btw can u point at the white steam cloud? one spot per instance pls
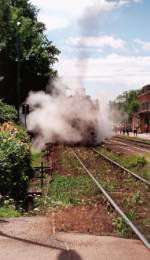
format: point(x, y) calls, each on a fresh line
point(59, 118)
point(56, 117)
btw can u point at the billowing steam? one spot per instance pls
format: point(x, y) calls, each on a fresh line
point(58, 118)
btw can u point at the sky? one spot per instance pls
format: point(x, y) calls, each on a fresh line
point(104, 44)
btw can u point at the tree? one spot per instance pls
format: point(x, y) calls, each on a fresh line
point(26, 55)
point(127, 103)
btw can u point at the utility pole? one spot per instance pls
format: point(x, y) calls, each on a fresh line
point(18, 69)
point(25, 112)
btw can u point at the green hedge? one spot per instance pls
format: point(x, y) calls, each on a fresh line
point(7, 112)
point(15, 162)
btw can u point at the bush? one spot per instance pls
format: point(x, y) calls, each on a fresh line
point(7, 209)
point(7, 112)
point(15, 161)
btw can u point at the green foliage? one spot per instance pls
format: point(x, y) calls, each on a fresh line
point(37, 158)
point(7, 112)
point(23, 42)
point(15, 161)
point(127, 102)
point(141, 161)
point(9, 212)
point(7, 209)
point(121, 225)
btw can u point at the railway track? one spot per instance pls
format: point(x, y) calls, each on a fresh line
point(127, 193)
point(137, 144)
point(136, 176)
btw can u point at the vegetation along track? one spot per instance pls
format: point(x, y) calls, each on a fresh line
point(128, 195)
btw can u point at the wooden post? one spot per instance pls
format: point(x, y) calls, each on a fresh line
point(42, 174)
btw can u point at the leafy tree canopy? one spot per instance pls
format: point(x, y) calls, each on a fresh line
point(24, 43)
point(127, 102)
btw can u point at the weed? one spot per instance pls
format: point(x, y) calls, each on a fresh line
point(121, 225)
point(109, 186)
point(141, 161)
point(137, 198)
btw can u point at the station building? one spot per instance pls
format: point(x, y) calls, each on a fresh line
point(142, 118)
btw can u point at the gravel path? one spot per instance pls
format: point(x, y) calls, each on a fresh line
point(32, 239)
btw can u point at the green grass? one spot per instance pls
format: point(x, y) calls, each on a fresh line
point(9, 212)
point(69, 190)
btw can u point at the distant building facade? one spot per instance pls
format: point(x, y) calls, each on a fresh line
point(141, 120)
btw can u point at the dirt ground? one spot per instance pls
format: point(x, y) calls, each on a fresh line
point(92, 219)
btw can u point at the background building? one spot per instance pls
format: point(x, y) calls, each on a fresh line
point(143, 116)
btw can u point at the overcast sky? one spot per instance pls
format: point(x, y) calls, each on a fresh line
point(105, 42)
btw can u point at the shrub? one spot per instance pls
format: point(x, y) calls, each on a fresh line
point(7, 209)
point(7, 112)
point(15, 161)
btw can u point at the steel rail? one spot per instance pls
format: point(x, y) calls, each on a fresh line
point(138, 142)
point(115, 206)
point(129, 146)
point(122, 168)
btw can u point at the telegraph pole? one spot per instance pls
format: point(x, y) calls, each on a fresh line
point(18, 69)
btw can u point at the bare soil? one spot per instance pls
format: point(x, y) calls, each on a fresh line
point(92, 219)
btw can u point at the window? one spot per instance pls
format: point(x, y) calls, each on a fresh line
point(145, 106)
